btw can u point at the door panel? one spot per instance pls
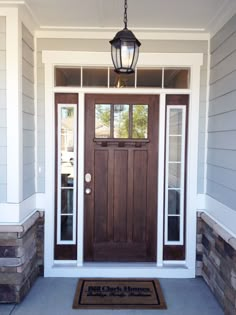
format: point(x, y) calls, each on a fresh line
point(121, 155)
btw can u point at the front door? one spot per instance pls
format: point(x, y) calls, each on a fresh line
point(121, 142)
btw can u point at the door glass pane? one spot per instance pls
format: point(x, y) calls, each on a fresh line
point(66, 228)
point(174, 175)
point(173, 202)
point(121, 121)
point(140, 122)
point(175, 148)
point(176, 122)
point(67, 201)
point(176, 78)
point(173, 228)
point(102, 120)
point(67, 146)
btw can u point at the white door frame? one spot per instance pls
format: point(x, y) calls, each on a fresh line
point(161, 268)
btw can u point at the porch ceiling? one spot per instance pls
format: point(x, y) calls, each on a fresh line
point(165, 15)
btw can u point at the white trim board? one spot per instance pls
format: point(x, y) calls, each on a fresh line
point(221, 214)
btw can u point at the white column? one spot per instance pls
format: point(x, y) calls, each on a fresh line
point(14, 108)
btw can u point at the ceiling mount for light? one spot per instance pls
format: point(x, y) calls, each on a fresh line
point(125, 48)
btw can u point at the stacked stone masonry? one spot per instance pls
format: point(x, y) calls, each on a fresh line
point(216, 254)
point(21, 257)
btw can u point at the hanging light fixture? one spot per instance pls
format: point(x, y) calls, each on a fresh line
point(125, 48)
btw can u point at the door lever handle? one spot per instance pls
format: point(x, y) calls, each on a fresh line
point(88, 177)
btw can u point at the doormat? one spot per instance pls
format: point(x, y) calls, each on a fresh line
point(118, 294)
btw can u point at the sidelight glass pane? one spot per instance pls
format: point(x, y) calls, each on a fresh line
point(67, 200)
point(66, 228)
point(175, 147)
point(176, 78)
point(176, 122)
point(173, 228)
point(121, 121)
point(173, 202)
point(140, 122)
point(102, 120)
point(67, 146)
point(174, 175)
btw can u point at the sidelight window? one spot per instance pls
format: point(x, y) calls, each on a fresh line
point(66, 174)
point(175, 174)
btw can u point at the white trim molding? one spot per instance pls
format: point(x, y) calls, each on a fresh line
point(220, 213)
point(153, 60)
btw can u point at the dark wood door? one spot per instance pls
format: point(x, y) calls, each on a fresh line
point(121, 141)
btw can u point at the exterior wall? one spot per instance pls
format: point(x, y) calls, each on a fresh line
point(3, 113)
point(221, 163)
point(28, 113)
point(157, 46)
point(20, 258)
point(217, 250)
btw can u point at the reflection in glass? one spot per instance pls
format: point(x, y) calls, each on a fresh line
point(121, 121)
point(102, 120)
point(176, 121)
point(67, 201)
point(66, 228)
point(95, 77)
point(67, 146)
point(173, 202)
point(140, 122)
point(175, 148)
point(173, 228)
point(176, 78)
point(174, 175)
point(149, 78)
point(121, 81)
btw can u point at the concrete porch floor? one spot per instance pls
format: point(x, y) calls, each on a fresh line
point(51, 296)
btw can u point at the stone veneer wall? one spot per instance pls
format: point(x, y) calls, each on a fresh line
point(21, 257)
point(216, 261)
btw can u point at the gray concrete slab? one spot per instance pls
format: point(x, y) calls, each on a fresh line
point(51, 296)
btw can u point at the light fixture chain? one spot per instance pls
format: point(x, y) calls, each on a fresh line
point(125, 13)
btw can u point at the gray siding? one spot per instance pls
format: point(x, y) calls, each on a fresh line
point(3, 113)
point(221, 161)
point(157, 46)
point(28, 114)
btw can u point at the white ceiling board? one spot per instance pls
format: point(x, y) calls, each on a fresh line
point(142, 14)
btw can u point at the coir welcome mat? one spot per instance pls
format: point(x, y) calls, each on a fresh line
point(118, 294)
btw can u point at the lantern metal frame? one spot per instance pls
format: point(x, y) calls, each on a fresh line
point(125, 48)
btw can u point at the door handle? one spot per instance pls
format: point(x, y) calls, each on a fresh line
point(88, 191)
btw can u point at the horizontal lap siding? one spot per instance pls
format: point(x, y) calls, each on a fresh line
point(3, 113)
point(154, 46)
point(28, 114)
point(221, 168)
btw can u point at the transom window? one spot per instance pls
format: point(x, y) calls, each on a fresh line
point(168, 78)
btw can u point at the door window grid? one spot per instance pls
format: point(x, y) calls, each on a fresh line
point(121, 121)
point(175, 181)
point(66, 173)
